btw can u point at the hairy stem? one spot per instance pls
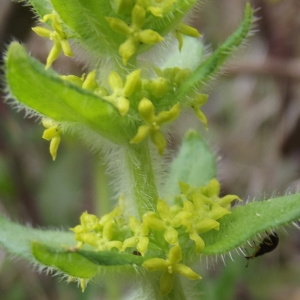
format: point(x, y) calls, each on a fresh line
point(142, 179)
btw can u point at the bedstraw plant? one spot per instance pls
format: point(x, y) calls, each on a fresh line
point(146, 66)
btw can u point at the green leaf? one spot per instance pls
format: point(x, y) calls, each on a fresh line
point(56, 249)
point(247, 221)
point(109, 258)
point(87, 19)
point(79, 262)
point(204, 72)
point(46, 93)
point(195, 164)
point(171, 18)
point(42, 7)
point(66, 261)
point(16, 239)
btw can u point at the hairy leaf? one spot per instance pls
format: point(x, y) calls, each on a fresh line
point(46, 93)
point(248, 220)
point(212, 64)
point(69, 262)
point(195, 164)
point(41, 7)
point(16, 238)
point(87, 19)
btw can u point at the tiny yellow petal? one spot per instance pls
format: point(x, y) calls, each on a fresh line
point(201, 116)
point(156, 11)
point(73, 79)
point(217, 211)
point(198, 241)
point(159, 87)
point(175, 255)
point(186, 271)
point(188, 30)
point(89, 82)
point(153, 222)
point(138, 16)
point(41, 31)
point(122, 105)
point(50, 133)
point(127, 50)
point(149, 36)
point(163, 208)
point(142, 245)
point(66, 48)
point(115, 81)
point(171, 236)
point(207, 224)
point(155, 264)
point(170, 115)
point(146, 110)
point(213, 188)
point(118, 25)
point(179, 38)
point(133, 81)
point(130, 242)
point(226, 200)
point(53, 55)
point(54, 146)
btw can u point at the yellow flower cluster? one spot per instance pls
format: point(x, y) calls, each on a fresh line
point(153, 124)
point(119, 95)
point(127, 91)
point(170, 266)
point(52, 134)
point(135, 32)
point(57, 35)
point(160, 233)
point(98, 233)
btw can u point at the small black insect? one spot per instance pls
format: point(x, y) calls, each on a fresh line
point(268, 244)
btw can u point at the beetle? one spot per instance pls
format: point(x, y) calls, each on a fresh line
point(267, 245)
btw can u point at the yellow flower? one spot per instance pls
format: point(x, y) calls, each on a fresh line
point(134, 32)
point(98, 233)
point(52, 134)
point(198, 222)
point(175, 76)
point(199, 101)
point(158, 7)
point(140, 238)
point(87, 81)
point(167, 219)
point(153, 124)
point(58, 36)
point(121, 91)
point(212, 190)
point(184, 29)
point(170, 266)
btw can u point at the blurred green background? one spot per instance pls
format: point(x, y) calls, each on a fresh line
point(254, 127)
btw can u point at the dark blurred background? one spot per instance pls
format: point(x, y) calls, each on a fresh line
point(254, 127)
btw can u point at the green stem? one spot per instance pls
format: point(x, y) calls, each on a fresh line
point(102, 193)
point(143, 186)
point(177, 292)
